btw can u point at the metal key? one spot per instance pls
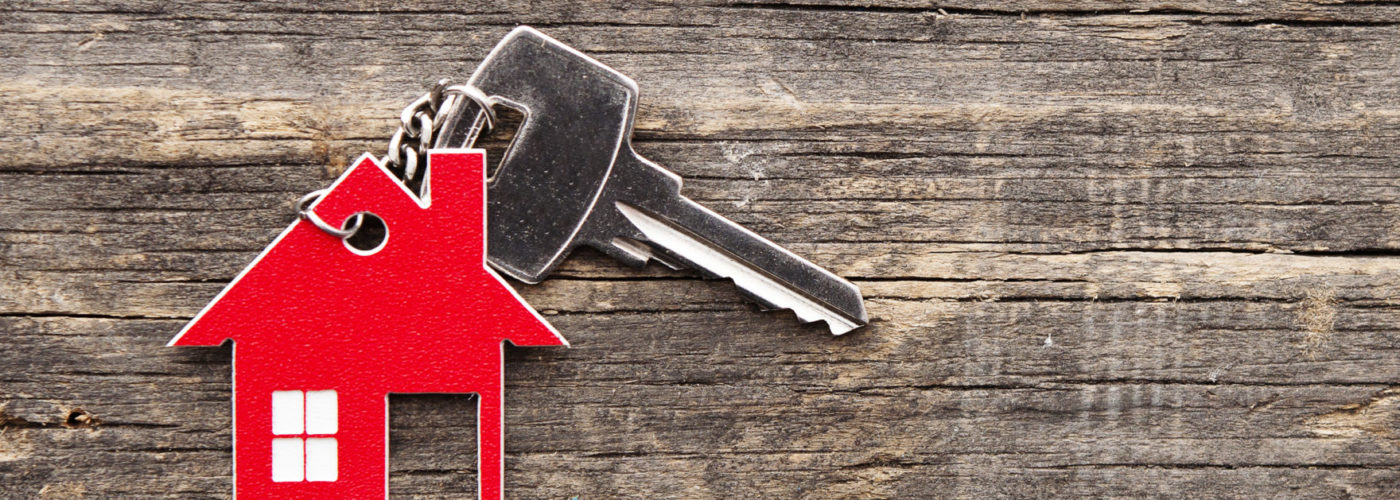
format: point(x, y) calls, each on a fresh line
point(570, 178)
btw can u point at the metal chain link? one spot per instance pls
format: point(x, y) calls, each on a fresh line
point(415, 133)
point(418, 124)
point(421, 120)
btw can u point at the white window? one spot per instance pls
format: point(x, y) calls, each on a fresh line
point(304, 424)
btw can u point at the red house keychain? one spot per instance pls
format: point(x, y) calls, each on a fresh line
point(324, 331)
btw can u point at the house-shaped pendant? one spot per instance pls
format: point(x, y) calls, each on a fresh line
point(323, 332)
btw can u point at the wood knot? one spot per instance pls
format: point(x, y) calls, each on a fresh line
point(79, 418)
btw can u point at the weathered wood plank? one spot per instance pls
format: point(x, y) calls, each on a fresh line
point(698, 402)
point(1111, 249)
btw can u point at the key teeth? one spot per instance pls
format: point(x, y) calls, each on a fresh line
point(766, 305)
point(836, 329)
point(685, 248)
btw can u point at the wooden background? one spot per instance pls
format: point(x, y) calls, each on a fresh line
point(1138, 248)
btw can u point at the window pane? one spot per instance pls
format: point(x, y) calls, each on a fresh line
point(287, 460)
point(321, 459)
point(286, 412)
point(321, 412)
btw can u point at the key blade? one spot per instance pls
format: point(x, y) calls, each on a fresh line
point(782, 280)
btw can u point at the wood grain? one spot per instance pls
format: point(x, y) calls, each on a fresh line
point(1110, 249)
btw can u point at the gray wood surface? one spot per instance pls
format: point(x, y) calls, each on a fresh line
point(1137, 248)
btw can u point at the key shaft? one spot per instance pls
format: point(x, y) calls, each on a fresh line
point(679, 229)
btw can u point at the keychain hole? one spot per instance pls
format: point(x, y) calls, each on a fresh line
point(370, 237)
point(499, 141)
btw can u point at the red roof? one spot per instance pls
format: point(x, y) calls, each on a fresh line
point(427, 290)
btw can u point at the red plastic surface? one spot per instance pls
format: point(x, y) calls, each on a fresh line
point(424, 314)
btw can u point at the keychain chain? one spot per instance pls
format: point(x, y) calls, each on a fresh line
point(421, 120)
point(418, 124)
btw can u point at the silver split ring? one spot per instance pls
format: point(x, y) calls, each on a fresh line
point(487, 103)
point(307, 215)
